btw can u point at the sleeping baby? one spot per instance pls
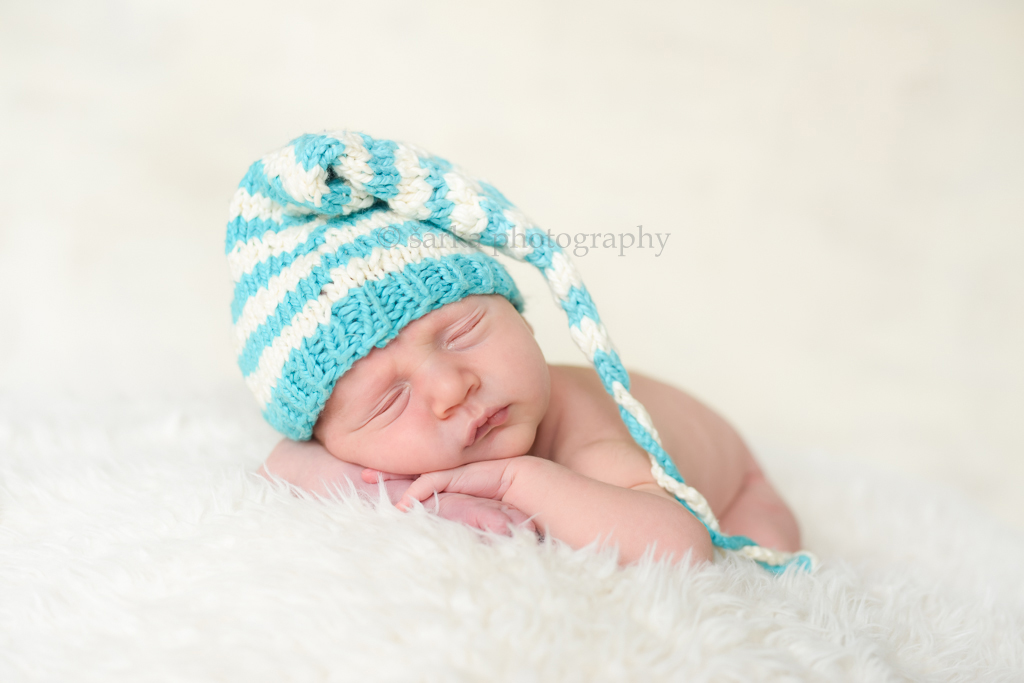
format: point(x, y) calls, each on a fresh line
point(383, 338)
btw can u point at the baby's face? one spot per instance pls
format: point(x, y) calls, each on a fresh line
point(464, 383)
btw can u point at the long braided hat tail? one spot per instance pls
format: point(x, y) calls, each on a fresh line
point(328, 215)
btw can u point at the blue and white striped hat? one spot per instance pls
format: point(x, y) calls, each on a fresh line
point(338, 240)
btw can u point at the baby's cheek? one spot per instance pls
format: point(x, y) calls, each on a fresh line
point(409, 459)
point(515, 441)
point(368, 453)
point(376, 463)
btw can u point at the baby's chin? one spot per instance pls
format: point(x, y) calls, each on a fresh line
point(510, 442)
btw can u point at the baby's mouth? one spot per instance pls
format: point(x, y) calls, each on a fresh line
point(495, 419)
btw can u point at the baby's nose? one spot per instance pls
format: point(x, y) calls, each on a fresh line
point(450, 388)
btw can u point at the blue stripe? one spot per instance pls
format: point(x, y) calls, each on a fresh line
point(799, 561)
point(646, 442)
point(439, 205)
point(312, 151)
point(497, 225)
point(578, 305)
point(240, 230)
point(610, 369)
point(384, 184)
point(724, 540)
point(543, 248)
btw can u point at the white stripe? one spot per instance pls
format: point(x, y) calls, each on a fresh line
point(636, 409)
point(358, 201)
point(413, 189)
point(590, 337)
point(245, 255)
point(518, 245)
point(766, 555)
point(467, 218)
point(302, 185)
point(250, 206)
point(776, 557)
point(692, 496)
point(562, 276)
point(265, 301)
point(317, 312)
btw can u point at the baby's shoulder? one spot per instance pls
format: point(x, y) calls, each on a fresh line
point(591, 437)
point(582, 383)
point(582, 407)
point(574, 383)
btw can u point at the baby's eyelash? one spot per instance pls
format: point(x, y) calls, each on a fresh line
point(465, 329)
point(391, 401)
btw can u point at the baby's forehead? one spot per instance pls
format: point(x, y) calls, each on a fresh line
point(374, 365)
point(424, 328)
point(360, 382)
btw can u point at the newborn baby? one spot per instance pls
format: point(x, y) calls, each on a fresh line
point(379, 333)
point(463, 402)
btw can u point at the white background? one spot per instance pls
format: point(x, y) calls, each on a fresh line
point(843, 183)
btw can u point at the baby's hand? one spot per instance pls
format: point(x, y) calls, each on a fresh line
point(479, 512)
point(484, 479)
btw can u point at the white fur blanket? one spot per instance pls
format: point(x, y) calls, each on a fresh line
point(136, 545)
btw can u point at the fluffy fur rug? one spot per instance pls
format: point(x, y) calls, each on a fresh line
point(136, 545)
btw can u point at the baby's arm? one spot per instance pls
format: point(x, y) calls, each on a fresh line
point(574, 508)
point(311, 467)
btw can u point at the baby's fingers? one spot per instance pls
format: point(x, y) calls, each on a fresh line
point(480, 479)
point(423, 488)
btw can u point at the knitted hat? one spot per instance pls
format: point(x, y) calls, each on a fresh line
point(337, 241)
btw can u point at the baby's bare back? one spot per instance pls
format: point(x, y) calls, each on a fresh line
point(709, 453)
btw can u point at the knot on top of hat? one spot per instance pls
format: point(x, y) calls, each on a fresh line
point(340, 173)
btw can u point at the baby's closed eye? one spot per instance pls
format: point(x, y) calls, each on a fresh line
point(463, 331)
